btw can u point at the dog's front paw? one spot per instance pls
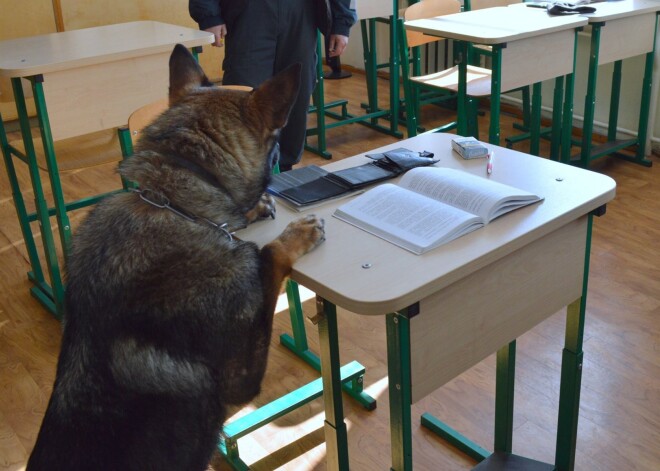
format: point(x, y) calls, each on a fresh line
point(265, 208)
point(302, 235)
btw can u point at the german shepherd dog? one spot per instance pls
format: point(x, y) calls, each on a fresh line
point(168, 316)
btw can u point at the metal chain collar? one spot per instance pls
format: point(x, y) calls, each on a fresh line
point(165, 204)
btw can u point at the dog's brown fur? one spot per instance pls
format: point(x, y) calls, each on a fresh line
point(167, 320)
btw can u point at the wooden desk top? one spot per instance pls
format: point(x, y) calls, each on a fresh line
point(620, 9)
point(495, 25)
point(35, 55)
point(397, 278)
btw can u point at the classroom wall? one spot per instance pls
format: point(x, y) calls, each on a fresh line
point(78, 14)
point(20, 18)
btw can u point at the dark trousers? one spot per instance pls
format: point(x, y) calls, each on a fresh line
point(266, 38)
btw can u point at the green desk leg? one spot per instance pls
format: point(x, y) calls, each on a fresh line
point(368, 29)
point(398, 370)
point(535, 125)
point(615, 94)
point(41, 290)
point(394, 72)
point(53, 299)
point(590, 99)
point(571, 371)
point(647, 83)
point(495, 95)
point(555, 133)
point(64, 225)
point(298, 345)
point(336, 434)
point(567, 114)
point(569, 392)
point(645, 106)
point(462, 98)
point(504, 385)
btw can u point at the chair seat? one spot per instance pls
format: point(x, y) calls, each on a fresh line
point(478, 80)
point(97, 148)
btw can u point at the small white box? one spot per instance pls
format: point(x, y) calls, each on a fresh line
point(469, 147)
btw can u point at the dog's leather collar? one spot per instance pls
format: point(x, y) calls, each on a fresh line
point(163, 202)
point(197, 169)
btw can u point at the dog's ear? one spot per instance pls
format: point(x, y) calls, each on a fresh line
point(276, 96)
point(185, 74)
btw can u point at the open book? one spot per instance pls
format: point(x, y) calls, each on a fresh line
point(431, 206)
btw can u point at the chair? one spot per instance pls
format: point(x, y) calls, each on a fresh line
point(478, 78)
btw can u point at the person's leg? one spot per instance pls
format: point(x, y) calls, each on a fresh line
point(251, 44)
point(296, 43)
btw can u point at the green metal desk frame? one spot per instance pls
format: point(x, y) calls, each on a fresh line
point(398, 347)
point(560, 119)
point(373, 113)
point(588, 151)
point(49, 292)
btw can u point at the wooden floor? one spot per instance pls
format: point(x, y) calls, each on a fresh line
point(619, 427)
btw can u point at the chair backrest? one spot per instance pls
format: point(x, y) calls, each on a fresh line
point(428, 9)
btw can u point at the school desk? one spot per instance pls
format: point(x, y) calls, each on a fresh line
point(450, 308)
point(83, 81)
point(528, 47)
point(619, 30)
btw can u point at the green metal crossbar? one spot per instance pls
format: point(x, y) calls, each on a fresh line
point(266, 414)
point(454, 438)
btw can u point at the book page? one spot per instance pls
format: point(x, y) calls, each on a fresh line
point(408, 219)
point(481, 196)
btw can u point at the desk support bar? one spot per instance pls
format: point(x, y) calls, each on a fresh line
point(228, 445)
point(398, 370)
point(495, 94)
point(40, 200)
point(567, 115)
point(336, 434)
point(298, 345)
point(571, 371)
point(63, 223)
point(504, 385)
point(21, 211)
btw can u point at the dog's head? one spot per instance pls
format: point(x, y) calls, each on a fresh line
point(212, 152)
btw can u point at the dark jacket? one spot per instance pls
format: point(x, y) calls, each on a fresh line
point(333, 16)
